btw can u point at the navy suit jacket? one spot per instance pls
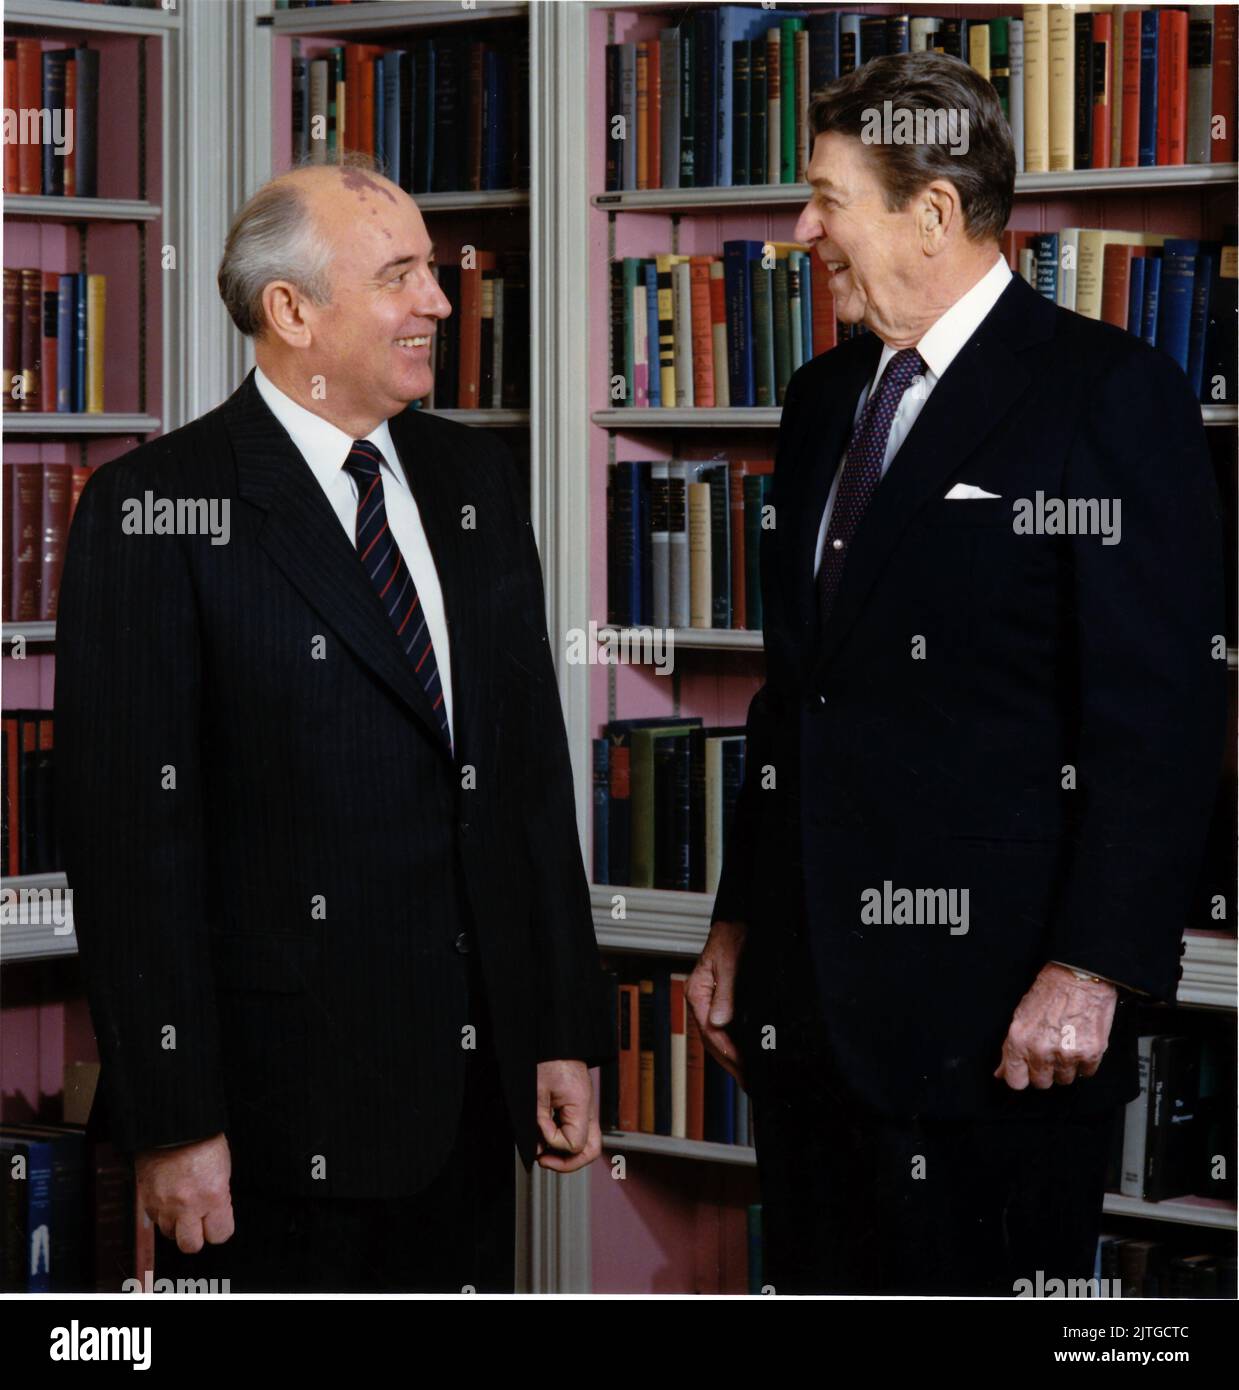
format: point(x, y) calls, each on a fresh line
point(968, 675)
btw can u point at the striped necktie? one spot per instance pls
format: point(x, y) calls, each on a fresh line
point(862, 471)
point(380, 556)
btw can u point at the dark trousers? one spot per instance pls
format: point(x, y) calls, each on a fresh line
point(853, 1203)
point(456, 1234)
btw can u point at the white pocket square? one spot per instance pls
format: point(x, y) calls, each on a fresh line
point(966, 492)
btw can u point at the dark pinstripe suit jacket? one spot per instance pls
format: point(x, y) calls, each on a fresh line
point(271, 853)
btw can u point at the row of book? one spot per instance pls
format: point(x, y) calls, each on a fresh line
point(39, 501)
point(440, 116)
point(53, 94)
point(663, 1081)
point(664, 794)
point(29, 834)
point(1177, 293)
point(54, 347)
point(1177, 1139)
point(722, 99)
point(683, 542)
point(711, 330)
point(1153, 1269)
point(481, 350)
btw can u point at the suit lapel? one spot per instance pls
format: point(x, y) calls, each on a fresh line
point(980, 386)
point(304, 538)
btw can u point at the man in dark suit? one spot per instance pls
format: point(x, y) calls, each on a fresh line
point(982, 762)
point(318, 809)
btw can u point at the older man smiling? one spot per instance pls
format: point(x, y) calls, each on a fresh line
point(957, 703)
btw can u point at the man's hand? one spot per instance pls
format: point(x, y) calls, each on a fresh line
point(566, 1117)
point(1059, 1031)
point(185, 1192)
point(711, 993)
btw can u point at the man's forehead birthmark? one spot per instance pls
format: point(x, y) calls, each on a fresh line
point(357, 180)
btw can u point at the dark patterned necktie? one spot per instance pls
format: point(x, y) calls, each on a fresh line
point(381, 558)
point(862, 471)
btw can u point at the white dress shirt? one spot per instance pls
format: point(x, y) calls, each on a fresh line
point(939, 346)
point(325, 448)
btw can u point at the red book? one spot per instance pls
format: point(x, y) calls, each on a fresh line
point(702, 330)
point(81, 472)
point(24, 496)
point(655, 114)
point(629, 1057)
point(51, 334)
point(1116, 282)
point(359, 104)
point(11, 796)
point(695, 1071)
point(825, 325)
point(1103, 32)
point(470, 379)
point(12, 332)
point(1172, 87)
point(1129, 154)
point(57, 496)
point(10, 146)
point(1224, 41)
point(29, 90)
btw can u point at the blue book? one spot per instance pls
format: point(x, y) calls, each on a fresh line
point(625, 525)
point(734, 23)
point(35, 1248)
point(79, 341)
point(654, 389)
point(806, 304)
point(602, 805)
point(1204, 298)
point(1135, 295)
point(1148, 86)
point(394, 72)
point(1174, 314)
point(379, 133)
point(1152, 299)
point(705, 26)
point(494, 125)
point(66, 336)
point(720, 1103)
point(823, 32)
point(737, 282)
point(1044, 247)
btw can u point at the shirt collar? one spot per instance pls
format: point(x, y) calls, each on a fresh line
point(323, 446)
point(946, 336)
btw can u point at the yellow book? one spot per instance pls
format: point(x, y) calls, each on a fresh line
point(95, 346)
point(1062, 50)
point(1116, 84)
point(1091, 261)
point(978, 49)
point(1036, 90)
point(664, 265)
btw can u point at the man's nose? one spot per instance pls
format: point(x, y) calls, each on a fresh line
point(430, 301)
point(808, 225)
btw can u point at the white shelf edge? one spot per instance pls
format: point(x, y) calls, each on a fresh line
point(1182, 1213)
point(71, 14)
point(35, 937)
point(38, 631)
point(78, 422)
point(623, 1141)
point(55, 209)
point(1153, 179)
point(368, 16)
point(492, 417)
point(720, 639)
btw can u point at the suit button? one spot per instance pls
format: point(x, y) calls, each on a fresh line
point(462, 943)
point(821, 699)
point(466, 830)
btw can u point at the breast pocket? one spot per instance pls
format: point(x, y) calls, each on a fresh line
point(968, 512)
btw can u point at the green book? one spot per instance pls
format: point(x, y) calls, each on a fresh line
point(787, 94)
point(782, 328)
point(641, 797)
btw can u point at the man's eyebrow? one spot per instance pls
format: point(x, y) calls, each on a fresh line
point(403, 260)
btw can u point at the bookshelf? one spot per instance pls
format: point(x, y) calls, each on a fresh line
point(717, 670)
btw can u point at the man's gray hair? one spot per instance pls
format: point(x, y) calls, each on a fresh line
point(275, 237)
